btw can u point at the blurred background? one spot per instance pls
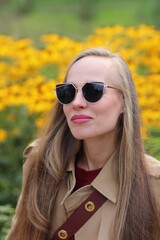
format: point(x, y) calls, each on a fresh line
point(74, 19)
point(38, 39)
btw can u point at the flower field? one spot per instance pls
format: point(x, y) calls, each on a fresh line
point(24, 77)
point(23, 67)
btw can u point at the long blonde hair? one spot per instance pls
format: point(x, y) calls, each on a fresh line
point(135, 209)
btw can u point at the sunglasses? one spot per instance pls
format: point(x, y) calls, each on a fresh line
point(92, 91)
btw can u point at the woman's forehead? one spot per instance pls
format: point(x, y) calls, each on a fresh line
point(92, 61)
point(93, 68)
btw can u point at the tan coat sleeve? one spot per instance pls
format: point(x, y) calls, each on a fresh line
point(153, 167)
point(28, 162)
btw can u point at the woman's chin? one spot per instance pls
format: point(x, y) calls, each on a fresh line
point(82, 136)
point(78, 137)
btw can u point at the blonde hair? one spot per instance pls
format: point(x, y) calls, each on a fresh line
point(135, 210)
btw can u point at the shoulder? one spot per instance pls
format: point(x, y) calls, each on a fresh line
point(29, 162)
point(153, 170)
point(30, 147)
point(152, 166)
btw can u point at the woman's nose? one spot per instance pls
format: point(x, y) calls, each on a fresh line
point(79, 100)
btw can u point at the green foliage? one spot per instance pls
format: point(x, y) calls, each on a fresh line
point(75, 19)
point(21, 129)
point(50, 71)
point(152, 143)
point(143, 70)
point(6, 214)
point(87, 10)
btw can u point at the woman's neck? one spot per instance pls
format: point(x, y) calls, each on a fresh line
point(95, 154)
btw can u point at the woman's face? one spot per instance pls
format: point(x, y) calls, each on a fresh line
point(100, 119)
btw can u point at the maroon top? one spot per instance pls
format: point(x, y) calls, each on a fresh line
point(84, 178)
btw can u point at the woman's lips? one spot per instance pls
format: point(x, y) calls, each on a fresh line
point(80, 119)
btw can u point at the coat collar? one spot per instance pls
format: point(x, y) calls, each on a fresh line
point(106, 180)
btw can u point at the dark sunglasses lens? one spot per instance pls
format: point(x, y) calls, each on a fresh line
point(93, 91)
point(65, 93)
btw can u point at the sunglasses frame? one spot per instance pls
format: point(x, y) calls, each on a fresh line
point(76, 90)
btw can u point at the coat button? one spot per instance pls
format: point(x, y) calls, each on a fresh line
point(62, 234)
point(89, 206)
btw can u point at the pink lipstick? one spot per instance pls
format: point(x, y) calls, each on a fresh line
point(80, 119)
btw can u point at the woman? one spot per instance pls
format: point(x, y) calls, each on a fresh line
point(92, 143)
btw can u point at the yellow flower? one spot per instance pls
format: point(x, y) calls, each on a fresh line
point(3, 135)
point(22, 81)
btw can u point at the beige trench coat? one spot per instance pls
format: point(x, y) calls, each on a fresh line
point(98, 226)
